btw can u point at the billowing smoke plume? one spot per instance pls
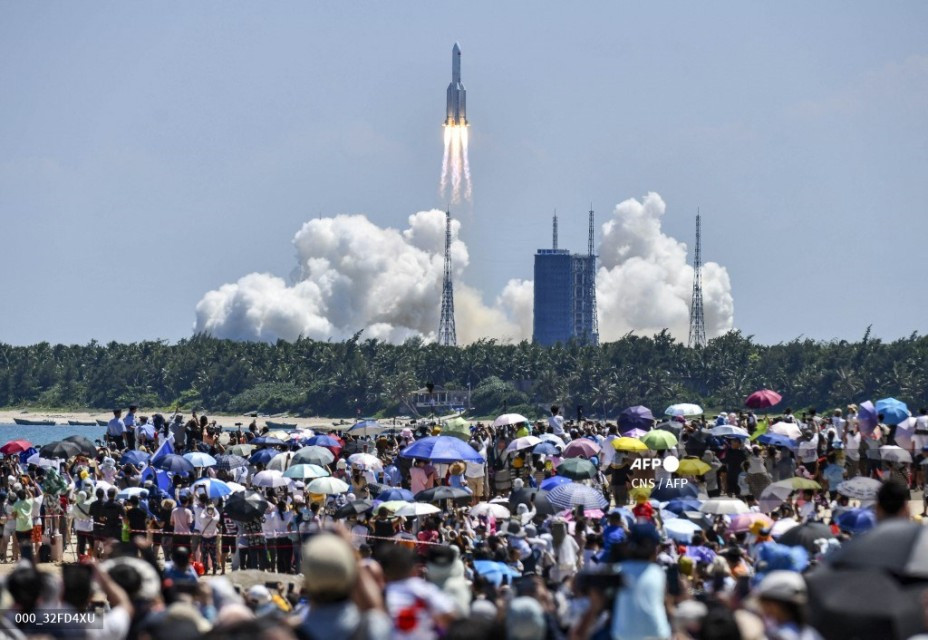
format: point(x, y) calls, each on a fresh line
point(353, 275)
point(644, 282)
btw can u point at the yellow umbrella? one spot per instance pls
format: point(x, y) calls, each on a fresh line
point(692, 467)
point(798, 483)
point(643, 490)
point(280, 435)
point(629, 444)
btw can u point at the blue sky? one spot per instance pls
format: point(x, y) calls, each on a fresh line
point(150, 152)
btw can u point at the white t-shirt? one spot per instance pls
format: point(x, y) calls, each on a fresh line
point(808, 449)
point(416, 602)
point(838, 425)
point(608, 452)
point(207, 524)
point(557, 424)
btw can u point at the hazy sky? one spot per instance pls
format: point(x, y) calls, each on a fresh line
point(150, 152)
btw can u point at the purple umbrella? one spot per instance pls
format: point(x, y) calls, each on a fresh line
point(867, 418)
point(637, 417)
point(635, 433)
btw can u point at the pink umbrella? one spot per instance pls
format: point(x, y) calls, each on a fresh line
point(763, 399)
point(581, 447)
point(592, 514)
point(743, 521)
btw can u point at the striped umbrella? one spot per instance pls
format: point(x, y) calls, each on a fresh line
point(568, 496)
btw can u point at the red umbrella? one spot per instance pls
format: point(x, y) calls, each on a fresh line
point(15, 446)
point(763, 399)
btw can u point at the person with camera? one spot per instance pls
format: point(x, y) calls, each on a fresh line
point(634, 589)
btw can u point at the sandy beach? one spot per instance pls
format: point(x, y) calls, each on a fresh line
point(62, 418)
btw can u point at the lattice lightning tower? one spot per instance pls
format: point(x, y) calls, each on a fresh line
point(697, 322)
point(591, 283)
point(446, 332)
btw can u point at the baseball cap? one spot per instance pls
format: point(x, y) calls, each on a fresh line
point(329, 566)
point(525, 619)
point(259, 594)
point(786, 586)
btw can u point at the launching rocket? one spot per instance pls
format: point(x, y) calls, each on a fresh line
point(456, 111)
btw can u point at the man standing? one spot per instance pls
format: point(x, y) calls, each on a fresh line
point(476, 472)
point(113, 516)
point(116, 430)
point(556, 421)
point(129, 423)
point(179, 432)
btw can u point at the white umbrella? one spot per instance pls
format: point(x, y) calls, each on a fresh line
point(415, 509)
point(525, 442)
point(684, 409)
point(729, 431)
point(270, 478)
point(904, 432)
point(236, 487)
point(327, 486)
point(550, 437)
point(782, 526)
point(498, 511)
point(773, 496)
point(366, 461)
point(279, 434)
point(860, 488)
point(892, 453)
point(724, 506)
point(199, 459)
point(509, 418)
point(42, 462)
point(280, 462)
point(301, 434)
point(788, 429)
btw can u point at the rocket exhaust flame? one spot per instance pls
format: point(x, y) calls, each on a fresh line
point(455, 166)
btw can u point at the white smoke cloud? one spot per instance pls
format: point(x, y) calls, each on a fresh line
point(354, 275)
point(644, 283)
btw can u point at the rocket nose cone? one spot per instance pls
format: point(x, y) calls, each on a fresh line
point(456, 48)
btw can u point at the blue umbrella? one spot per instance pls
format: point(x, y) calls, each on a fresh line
point(857, 520)
point(495, 572)
point(681, 530)
point(322, 441)
point(214, 488)
point(776, 440)
point(267, 440)
point(395, 494)
point(134, 456)
point(262, 456)
point(568, 496)
point(199, 459)
point(554, 481)
point(173, 463)
point(667, 492)
point(441, 449)
point(894, 411)
point(546, 448)
point(679, 505)
point(637, 417)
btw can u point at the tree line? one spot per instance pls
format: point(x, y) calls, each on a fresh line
point(308, 377)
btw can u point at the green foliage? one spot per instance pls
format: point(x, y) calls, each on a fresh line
point(494, 396)
point(269, 397)
point(340, 378)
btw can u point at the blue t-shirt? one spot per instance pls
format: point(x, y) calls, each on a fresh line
point(834, 474)
point(638, 611)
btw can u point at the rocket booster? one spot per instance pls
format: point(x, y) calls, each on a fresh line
point(456, 109)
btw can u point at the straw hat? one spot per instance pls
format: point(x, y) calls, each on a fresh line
point(457, 468)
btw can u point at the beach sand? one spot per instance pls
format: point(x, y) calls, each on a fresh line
point(62, 417)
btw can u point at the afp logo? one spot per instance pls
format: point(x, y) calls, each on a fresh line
point(670, 463)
